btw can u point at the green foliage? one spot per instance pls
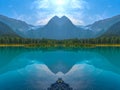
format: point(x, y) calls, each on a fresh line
point(59, 43)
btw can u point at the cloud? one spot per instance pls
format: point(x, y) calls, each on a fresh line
point(41, 4)
point(45, 9)
point(42, 21)
point(22, 17)
point(96, 17)
point(75, 10)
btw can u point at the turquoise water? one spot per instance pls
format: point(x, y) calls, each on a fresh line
point(82, 69)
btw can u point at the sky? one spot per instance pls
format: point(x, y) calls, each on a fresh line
point(39, 12)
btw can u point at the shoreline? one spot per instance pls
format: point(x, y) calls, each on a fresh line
point(47, 46)
point(107, 45)
point(12, 45)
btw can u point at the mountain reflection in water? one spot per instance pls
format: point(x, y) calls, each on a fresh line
point(37, 69)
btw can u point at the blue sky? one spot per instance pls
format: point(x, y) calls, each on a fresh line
point(39, 12)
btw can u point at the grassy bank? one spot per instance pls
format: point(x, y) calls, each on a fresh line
point(57, 45)
point(107, 45)
point(12, 45)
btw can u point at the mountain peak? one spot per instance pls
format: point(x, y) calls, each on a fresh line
point(65, 17)
point(60, 20)
point(55, 17)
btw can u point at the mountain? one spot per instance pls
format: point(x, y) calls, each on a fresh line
point(18, 26)
point(113, 31)
point(6, 31)
point(60, 28)
point(103, 25)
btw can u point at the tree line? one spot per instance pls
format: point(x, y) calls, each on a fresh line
point(18, 40)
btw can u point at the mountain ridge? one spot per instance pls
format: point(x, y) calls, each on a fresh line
point(6, 31)
point(104, 24)
point(113, 31)
point(18, 26)
point(60, 28)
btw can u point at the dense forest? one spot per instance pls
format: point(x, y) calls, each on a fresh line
point(59, 43)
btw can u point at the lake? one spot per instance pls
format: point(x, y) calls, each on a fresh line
point(83, 68)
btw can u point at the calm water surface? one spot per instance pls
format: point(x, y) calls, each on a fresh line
point(82, 69)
